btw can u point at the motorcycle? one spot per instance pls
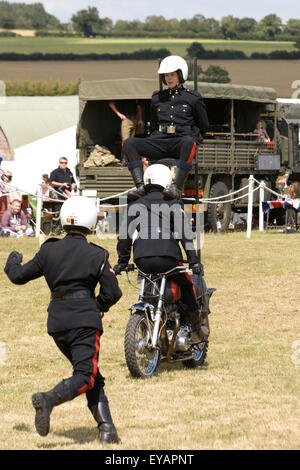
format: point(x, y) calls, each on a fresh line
point(157, 329)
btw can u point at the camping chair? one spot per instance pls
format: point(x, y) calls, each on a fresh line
point(50, 222)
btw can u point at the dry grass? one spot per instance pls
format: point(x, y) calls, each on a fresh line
point(245, 397)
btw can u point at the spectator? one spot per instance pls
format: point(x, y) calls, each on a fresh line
point(5, 178)
point(6, 188)
point(62, 178)
point(14, 222)
point(261, 131)
point(47, 190)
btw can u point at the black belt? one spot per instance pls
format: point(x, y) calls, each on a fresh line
point(171, 129)
point(76, 294)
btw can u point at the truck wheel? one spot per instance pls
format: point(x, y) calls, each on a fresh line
point(220, 211)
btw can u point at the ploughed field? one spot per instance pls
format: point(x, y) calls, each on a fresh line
point(278, 74)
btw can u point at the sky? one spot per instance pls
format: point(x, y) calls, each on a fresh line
point(140, 9)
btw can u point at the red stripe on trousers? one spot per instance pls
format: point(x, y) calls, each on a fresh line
point(95, 366)
point(192, 154)
point(189, 279)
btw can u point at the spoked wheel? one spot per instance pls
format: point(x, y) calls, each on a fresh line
point(142, 360)
point(46, 227)
point(200, 353)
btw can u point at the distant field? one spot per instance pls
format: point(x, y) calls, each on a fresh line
point(176, 46)
point(278, 74)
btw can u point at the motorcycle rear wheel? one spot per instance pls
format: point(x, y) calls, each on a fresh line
point(141, 359)
point(200, 354)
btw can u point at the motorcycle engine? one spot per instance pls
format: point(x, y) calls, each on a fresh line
point(182, 339)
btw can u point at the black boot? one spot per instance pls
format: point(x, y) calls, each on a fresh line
point(196, 336)
point(138, 178)
point(107, 431)
point(45, 402)
point(175, 190)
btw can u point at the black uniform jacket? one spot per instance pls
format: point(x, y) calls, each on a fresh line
point(71, 264)
point(160, 224)
point(180, 107)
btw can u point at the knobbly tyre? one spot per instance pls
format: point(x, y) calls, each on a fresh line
point(157, 329)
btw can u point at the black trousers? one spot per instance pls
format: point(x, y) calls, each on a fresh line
point(161, 264)
point(158, 146)
point(81, 347)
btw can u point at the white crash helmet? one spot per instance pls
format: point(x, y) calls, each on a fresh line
point(157, 175)
point(79, 212)
point(174, 63)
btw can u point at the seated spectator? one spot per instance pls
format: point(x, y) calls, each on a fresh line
point(47, 190)
point(14, 222)
point(61, 178)
point(5, 178)
point(6, 188)
point(261, 131)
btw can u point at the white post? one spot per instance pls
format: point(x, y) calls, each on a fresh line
point(261, 212)
point(38, 212)
point(250, 206)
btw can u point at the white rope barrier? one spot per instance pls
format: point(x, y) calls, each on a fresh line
point(261, 187)
point(225, 195)
point(115, 195)
point(209, 201)
point(45, 198)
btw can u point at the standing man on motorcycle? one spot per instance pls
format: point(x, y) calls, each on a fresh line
point(160, 224)
point(72, 268)
point(178, 123)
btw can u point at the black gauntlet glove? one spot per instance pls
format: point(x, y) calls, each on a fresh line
point(197, 268)
point(118, 268)
point(15, 257)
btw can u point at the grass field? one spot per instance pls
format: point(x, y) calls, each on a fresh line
point(28, 45)
point(245, 397)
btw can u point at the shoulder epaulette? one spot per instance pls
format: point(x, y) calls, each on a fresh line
point(194, 92)
point(155, 92)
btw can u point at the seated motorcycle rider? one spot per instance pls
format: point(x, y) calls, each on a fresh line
point(157, 220)
point(178, 121)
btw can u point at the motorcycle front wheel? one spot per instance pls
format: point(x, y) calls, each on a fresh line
point(142, 360)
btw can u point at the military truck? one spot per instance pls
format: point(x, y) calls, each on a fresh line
point(230, 151)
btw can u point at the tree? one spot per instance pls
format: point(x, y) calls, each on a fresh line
point(270, 25)
point(213, 74)
point(229, 27)
point(87, 21)
point(246, 25)
point(297, 43)
point(212, 26)
point(196, 50)
point(23, 16)
point(156, 23)
point(292, 27)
